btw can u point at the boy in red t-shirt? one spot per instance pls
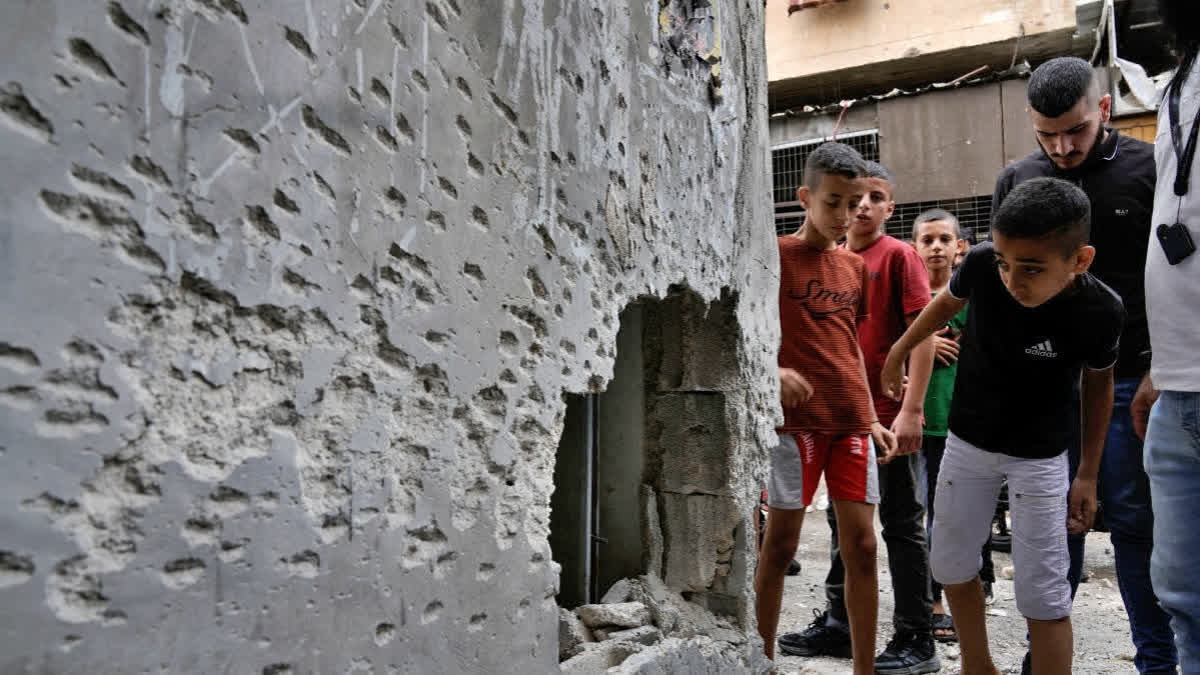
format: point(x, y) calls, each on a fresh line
point(829, 420)
point(899, 290)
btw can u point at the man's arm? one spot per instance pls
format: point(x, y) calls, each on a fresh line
point(932, 318)
point(1096, 402)
point(909, 422)
point(1143, 400)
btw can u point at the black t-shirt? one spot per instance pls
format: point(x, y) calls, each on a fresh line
point(1119, 179)
point(1018, 364)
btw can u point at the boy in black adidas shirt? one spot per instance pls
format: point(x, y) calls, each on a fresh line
point(1036, 320)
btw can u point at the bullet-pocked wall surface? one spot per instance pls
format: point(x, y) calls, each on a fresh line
point(292, 294)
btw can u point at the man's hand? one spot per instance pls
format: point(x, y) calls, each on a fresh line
point(1082, 505)
point(794, 389)
point(1143, 400)
point(891, 379)
point(945, 348)
point(884, 440)
point(907, 428)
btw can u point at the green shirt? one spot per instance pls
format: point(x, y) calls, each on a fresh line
point(941, 385)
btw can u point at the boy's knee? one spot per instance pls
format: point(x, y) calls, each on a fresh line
point(859, 550)
point(779, 550)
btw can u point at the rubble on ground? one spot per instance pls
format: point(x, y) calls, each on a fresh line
point(640, 626)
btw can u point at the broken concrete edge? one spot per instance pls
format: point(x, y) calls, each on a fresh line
point(642, 616)
point(693, 655)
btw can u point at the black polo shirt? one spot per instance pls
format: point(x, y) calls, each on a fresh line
point(1017, 365)
point(1119, 179)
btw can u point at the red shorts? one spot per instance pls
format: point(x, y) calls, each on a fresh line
point(797, 462)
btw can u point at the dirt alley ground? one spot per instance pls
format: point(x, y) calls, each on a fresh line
point(1102, 642)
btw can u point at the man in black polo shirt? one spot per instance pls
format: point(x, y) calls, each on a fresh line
point(1117, 173)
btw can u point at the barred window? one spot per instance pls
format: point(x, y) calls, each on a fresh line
point(974, 215)
point(787, 162)
point(787, 170)
point(788, 222)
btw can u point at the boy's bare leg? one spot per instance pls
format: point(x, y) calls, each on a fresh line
point(966, 604)
point(856, 537)
point(778, 548)
point(1050, 645)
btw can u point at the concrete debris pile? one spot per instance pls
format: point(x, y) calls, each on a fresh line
point(640, 626)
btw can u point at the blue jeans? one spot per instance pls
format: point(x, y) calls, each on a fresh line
point(1125, 495)
point(1173, 463)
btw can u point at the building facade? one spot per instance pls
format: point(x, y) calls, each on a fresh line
point(938, 96)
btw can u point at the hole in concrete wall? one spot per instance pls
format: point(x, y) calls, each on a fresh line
point(645, 470)
point(572, 506)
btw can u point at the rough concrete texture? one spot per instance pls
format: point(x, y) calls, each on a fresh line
point(676, 655)
point(572, 634)
point(624, 614)
point(646, 635)
point(292, 294)
point(598, 657)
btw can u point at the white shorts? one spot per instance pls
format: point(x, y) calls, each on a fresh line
point(967, 488)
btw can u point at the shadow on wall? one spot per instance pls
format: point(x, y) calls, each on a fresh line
point(644, 474)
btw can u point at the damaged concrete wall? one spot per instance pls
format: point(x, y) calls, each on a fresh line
point(292, 292)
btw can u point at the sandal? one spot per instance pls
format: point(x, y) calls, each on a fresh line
point(943, 628)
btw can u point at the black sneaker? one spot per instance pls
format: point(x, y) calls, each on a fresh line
point(817, 640)
point(908, 654)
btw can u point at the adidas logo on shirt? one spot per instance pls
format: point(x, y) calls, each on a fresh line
point(1042, 349)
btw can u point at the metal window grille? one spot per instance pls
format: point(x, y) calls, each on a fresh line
point(974, 215)
point(788, 222)
point(787, 162)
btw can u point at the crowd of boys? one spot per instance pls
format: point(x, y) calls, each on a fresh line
point(923, 377)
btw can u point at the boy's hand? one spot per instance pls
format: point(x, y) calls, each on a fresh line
point(891, 379)
point(794, 389)
point(1082, 506)
point(945, 348)
point(907, 428)
point(884, 440)
point(1143, 400)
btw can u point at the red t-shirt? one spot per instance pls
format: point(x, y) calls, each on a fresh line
point(822, 299)
point(899, 287)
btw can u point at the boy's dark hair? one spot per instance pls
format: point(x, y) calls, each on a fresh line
point(931, 215)
point(877, 170)
point(1046, 209)
point(832, 158)
point(1058, 84)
